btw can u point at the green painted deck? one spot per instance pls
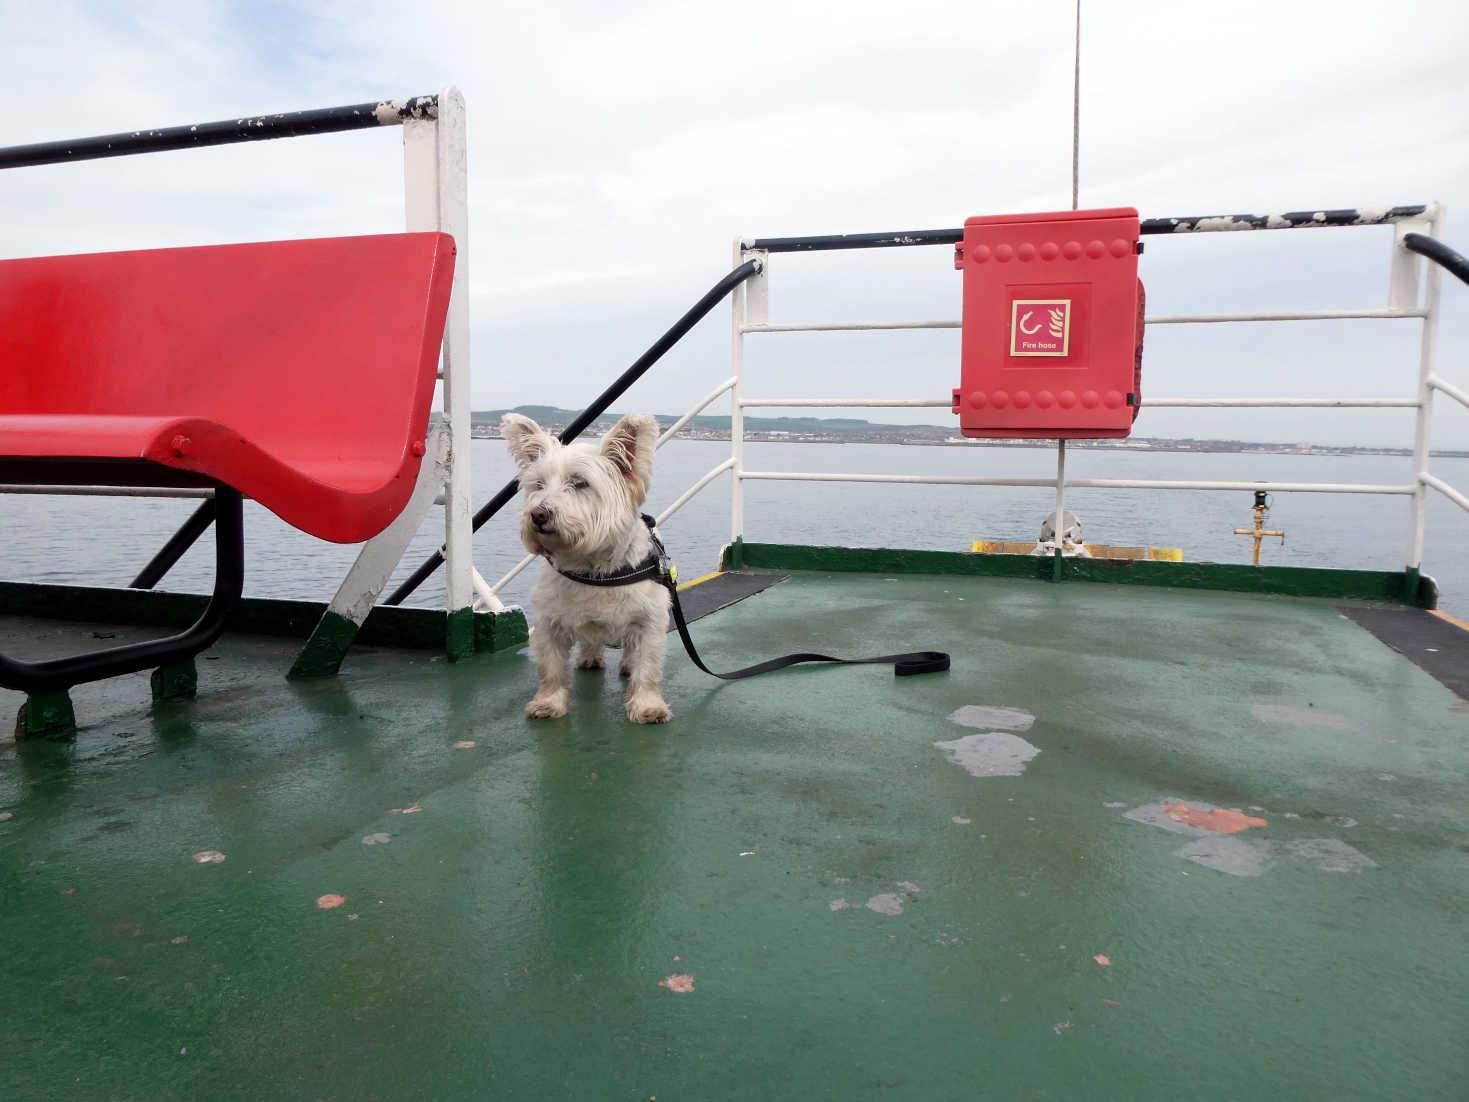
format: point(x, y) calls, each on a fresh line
point(861, 916)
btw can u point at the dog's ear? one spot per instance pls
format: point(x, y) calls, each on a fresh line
point(526, 439)
point(629, 447)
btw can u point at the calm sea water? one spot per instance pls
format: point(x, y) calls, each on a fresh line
point(106, 541)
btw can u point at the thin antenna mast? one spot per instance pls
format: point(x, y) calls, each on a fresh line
point(1076, 116)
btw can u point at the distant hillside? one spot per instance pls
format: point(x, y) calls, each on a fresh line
point(829, 426)
point(857, 430)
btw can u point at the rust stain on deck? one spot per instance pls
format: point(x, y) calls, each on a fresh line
point(1217, 820)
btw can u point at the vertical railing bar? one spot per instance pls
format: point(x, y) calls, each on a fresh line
point(1059, 533)
point(453, 181)
point(736, 405)
point(1423, 423)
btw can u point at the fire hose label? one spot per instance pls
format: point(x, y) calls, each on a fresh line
point(1040, 327)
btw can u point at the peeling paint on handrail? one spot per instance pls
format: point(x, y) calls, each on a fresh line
point(290, 124)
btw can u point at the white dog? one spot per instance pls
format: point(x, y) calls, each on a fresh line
point(580, 510)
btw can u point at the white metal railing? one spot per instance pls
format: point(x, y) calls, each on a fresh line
point(749, 315)
point(1403, 303)
point(1160, 319)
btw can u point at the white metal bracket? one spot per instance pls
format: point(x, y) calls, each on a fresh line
point(1404, 267)
point(381, 555)
point(436, 186)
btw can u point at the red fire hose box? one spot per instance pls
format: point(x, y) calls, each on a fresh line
point(1053, 325)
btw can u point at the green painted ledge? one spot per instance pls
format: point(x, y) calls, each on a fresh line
point(386, 626)
point(1404, 588)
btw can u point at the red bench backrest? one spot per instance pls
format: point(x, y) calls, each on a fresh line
point(319, 354)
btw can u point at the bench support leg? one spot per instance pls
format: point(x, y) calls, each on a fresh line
point(324, 652)
point(46, 715)
point(60, 674)
point(175, 681)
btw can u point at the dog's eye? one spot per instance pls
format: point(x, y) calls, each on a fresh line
point(536, 485)
point(576, 482)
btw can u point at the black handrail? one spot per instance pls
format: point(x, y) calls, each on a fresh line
point(1296, 219)
point(290, 124)
point(1456, 263)
point(711, 299)
point(170, 553)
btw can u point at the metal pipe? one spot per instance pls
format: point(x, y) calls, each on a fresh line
point(1280, 403)
point(1439, 253)
point(49, 488)
point(484, 593)
point(684, 498)
point(738, 319)
point(1290, 220)
point(1222, 403)
point(844, 326)
point(290, 124)
point(875, 403)
point(672, 429)
point(1448, 491)
point(170, 553)
point(1075, 134)
point(1289, 315)
point(1460, 396)
point(1301, 219)
point(832, 241)
point(229, 579)
point(1423, 423)
point(1059, 534)
point(640, 366)
point(1161, 319)
point(1089, 483)
point(513, 573)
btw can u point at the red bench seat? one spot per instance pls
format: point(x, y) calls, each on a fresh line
point(298, 373)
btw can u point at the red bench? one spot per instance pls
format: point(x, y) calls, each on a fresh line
point(297, 373)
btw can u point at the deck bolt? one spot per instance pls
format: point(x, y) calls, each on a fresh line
point(179, 444)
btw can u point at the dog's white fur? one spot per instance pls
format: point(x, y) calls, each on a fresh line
point(580, 509)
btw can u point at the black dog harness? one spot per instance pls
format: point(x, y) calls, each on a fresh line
point(657, 567)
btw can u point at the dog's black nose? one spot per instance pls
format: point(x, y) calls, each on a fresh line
point(540, 516)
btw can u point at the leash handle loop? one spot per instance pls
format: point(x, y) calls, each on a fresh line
point(657, 567)
point(904, 665)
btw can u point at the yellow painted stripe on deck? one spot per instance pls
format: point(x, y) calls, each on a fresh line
point(1458, 623)
point(705, 578)
point(1098, 550)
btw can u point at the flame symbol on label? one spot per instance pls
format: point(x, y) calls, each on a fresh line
point(1057, 318)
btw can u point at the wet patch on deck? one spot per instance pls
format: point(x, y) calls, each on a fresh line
point(1238, 857)
point(996, 752)
point(1215, 841)
point(991, 718)
point(883, 903)
point(1302, 717)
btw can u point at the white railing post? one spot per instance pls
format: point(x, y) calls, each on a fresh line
point(1423, 427)
point(436, 187)
point(736, 405)
point(1059, 533)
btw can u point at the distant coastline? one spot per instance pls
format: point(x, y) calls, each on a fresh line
point(485, 424)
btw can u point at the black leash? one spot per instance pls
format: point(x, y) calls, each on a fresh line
point(658, 568)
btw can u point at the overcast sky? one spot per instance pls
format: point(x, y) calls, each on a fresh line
point(617, 149)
